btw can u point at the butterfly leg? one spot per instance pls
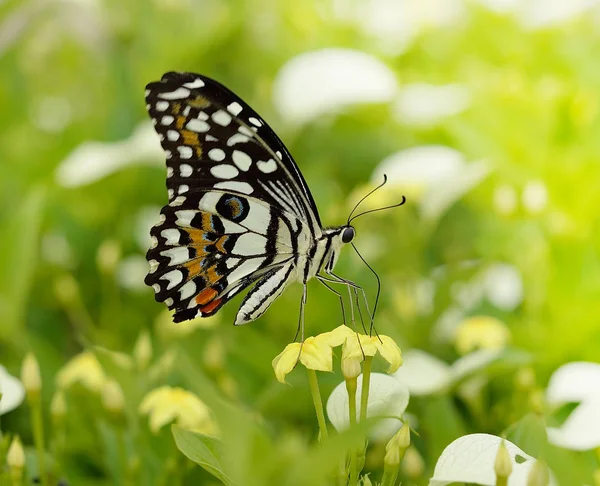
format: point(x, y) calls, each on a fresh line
point(323, 281)
point(300, 329)
point(355, 288)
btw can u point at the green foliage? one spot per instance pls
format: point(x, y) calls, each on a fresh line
point(74, 72)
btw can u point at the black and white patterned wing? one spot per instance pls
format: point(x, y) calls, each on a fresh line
point(214, 140)
point(239, 209)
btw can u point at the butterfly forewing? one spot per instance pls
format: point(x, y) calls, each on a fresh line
point(238, 206)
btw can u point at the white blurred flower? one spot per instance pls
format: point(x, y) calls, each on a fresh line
point(543, 13)
point(394, 24)
point(422, 104)
point(318, 82)
point(12, 390)
point(535, 14)
point(92, 161)
point(131, 272)
point(505, 199)
point(471, 458)
point(576, 382)
point(436, 175)
point(535, 197)
point(503, 286)
point(424, 374)
point(387, 397)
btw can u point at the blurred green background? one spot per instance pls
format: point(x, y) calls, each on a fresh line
point(516, 238)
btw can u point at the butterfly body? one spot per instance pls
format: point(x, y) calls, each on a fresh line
point(239, 211)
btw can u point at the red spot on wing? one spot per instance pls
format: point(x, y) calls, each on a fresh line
point(209, 308)
point(206, 296)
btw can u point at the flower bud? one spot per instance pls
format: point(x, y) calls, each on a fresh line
point(15, 458)
point(142, 351)
point(503, 463)
point(30, 376)
point(112, 397)
point(396, 447)
point(58, 406)
point(351, 368)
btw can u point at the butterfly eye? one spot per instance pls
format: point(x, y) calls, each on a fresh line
point(348, 234)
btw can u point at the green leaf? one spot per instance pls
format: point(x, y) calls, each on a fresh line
point(205, 451)
point(20, 246)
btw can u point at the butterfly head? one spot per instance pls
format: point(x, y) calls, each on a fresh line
point(347, 234)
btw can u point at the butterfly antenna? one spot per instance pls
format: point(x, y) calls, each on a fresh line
point(378, 209)
point(366, 196)
point(378, 288)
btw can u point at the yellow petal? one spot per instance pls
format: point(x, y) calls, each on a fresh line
point(390, 351)
point(316, 355)
point(336, 337)
point(162, 415)
point(358, 346)
point(483, 332)
point(285, 361)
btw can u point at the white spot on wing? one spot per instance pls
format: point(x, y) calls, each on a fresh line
point(232, 262)
point(250, 244)
point(185, 170)
point(176, 255)
point(187, 290)
point(174, 277)
point(237, 138)
point(169, 171)
point(172, 135)
point(255, 121)
point(167, 120)
point(238, 186)
point(183, 188)
point(246, 268)
point(216, 154)
point(246, 131)
point(171, 235)
point(241, 159)
point(197, 126)
point(210, 138)
point(185, 152)
point(169, 302)
point(222, 118)
point(153, 266)
point(156, 288)
point(196, 83)
point(178, 201)
point(234, 108)
point(162, 105)
point(224, 171)
point(175, 95)
point(267, 167)
point(184, 217)
point(258, 218)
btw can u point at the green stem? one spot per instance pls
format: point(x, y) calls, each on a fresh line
point(316, 396)
point(351, 388)
point(366, 383)
point(38, 437)
point(501, 480)
point(390, 474)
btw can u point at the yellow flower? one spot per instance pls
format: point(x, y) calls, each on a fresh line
point(84, 369)
point(167, 404)
point(483, 332)
point(359, 345)
point(315, 353)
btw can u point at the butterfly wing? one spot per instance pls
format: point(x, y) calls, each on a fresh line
point(238, 208)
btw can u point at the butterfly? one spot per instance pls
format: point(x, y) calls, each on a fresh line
point(239, 212)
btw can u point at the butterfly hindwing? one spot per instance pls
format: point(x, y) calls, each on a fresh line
point(211, 247)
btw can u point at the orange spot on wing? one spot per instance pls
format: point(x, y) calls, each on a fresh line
point(206, 296)
point(207, 309)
